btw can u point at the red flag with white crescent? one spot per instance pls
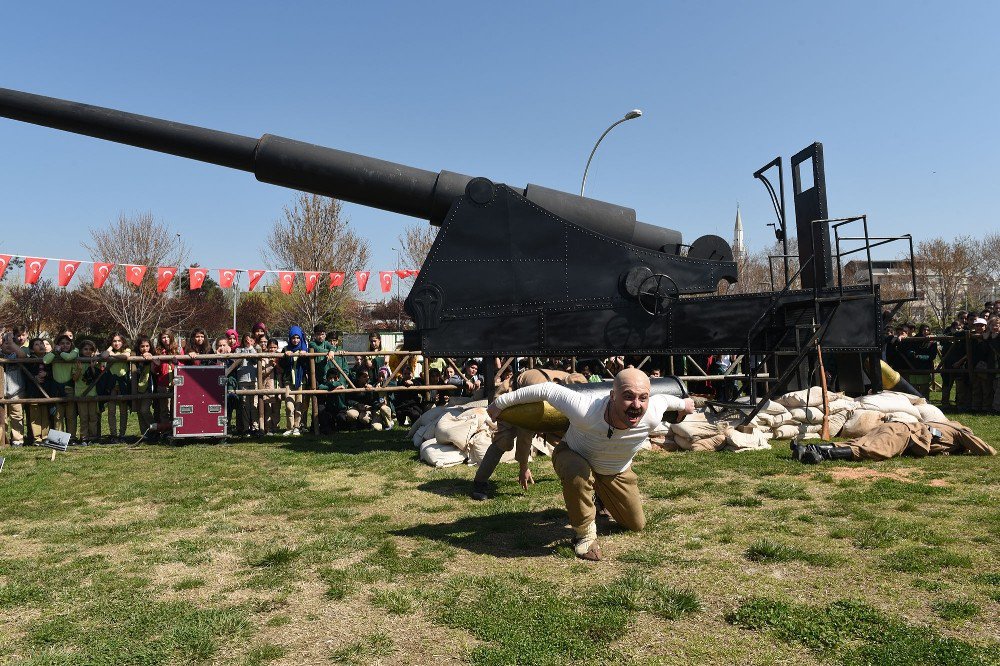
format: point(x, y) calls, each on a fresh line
point(196, 276)
point(402, 273)
point(33, 269)
point(226, 277)
point(336, 279)
point(287, 281)
point(101, 273)
point(312, 279)
point(164, 276)
point(255, 276)
point(4, 263)
point(385, 280)
point(67, 269)
point(362, 278)
point(134, 274)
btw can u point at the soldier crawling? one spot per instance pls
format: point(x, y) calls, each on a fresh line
point(596, 453)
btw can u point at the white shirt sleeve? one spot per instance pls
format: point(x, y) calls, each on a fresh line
point(664, 402)
point(573, 405)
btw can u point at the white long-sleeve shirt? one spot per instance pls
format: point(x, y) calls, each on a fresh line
point(588, 431)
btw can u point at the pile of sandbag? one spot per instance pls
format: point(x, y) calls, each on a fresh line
point(453, 434)
point(702, 432)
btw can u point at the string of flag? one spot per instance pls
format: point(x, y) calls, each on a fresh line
point(165, 275)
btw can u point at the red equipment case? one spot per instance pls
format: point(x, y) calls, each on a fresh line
point(200, 401)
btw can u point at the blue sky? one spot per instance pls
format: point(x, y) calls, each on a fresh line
point(903, 95)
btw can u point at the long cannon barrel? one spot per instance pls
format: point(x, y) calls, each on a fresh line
point(320, 170)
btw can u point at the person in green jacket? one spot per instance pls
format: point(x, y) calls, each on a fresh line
point(85, 375)
point(60, 362)
point(116, 381)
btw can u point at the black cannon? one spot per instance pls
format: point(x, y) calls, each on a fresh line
point(520, 271)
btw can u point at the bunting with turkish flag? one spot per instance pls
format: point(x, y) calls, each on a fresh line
point(164, 276)
point(255, 277)
point(67, 269)
point(312, 278)
point(336, 279)
point(4, 263)
point(287, 281)
point(385, 280)
point(101, 272)
point(134, 273)
point(33, 269)
point(226, 277)
point(362, 278)
point(196, 276)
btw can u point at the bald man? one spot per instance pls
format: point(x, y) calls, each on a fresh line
point(596, 453)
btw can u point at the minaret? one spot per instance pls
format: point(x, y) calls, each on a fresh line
point(738, 247)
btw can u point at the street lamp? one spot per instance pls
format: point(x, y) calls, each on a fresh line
point(631, 115)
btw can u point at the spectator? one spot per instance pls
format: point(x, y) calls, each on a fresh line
point(979, 360)
point(260, 336)
point(163, 373)
point(21, 336)
point(332, 415)
point(368, 409)
point(15, 386)
point(993, 331)
point(295, 371)
point(233, 338)
point(246, 380)
point(85, 374)
point(199, 345)
point(319, 345)
point(59, 369)
point(232, 402)
point(472, 381)
point(145, 383)
point(37, 377)
point(114, 382)
point(269, 376)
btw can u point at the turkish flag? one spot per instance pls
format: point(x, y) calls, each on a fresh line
point(134, 274)
point(164, 276)
point(67, 269)
point(226, 277)
point(312, 278)
point(33, 269)
point(255, 277)
point(287, 281)
point(362, 278)
point(5, 262)
point(101, 273)
point(401, 273)
point(196, 276)
point(336, 279)
point(385, 279)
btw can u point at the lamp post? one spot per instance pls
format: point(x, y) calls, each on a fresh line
point(631, 115)
point(399, 314)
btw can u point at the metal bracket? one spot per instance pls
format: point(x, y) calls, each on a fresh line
point(185, 409)
point(178, 421)
point(215, 409)
point(178, 380)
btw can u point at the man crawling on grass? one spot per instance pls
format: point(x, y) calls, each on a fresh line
point(596, 453)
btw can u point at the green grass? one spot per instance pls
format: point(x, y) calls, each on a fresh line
point(348, 550)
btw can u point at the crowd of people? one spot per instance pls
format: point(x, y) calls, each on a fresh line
point(348, 389)
point(963, 359)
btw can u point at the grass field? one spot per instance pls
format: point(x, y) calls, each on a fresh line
point(348, 550)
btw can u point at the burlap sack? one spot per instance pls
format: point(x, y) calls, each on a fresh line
point(806, 414)
point(770, 407)
point(861, 422)
point(713, 443)
point(888, 402)
point(931, 414)
point(786, 431)
point(901, 417)
point(742, 441)
point(837, 422)
point(810, 397)
point(440, 455)
point(460, 427)
point(843, 405)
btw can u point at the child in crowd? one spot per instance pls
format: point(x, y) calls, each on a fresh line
point(233, 338)
point(368, 409)
point(60, 369)
point(38, 415)
point(295, 369)
point(269, 380)
point(199, 345)
point(85, 375)
point(116, 381)
point(163, 371)
point(246, 380)
point(144, 384)
point(15, 386)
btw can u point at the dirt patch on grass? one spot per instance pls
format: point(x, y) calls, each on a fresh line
point(854, 473)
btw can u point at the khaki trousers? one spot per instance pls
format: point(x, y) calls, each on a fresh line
point(619, 492)
point(145, 414)
point(90, 420)
point(294, 410)
point(39, 417)
point(16, 415)
point(66, 412)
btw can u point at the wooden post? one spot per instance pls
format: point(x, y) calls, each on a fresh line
point(260, 398)
point(825, 432)
point(3, 408)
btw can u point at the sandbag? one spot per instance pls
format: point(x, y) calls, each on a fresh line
point(861, 422)
point(843, 405)
point(837, 422)
point(770, 407)
point(742, 441)
point(786, 431)
point(694, 430)
point(713, 443)
point(888, 402)
point(806, 414)
point(901, 417)
point(459, 428)
point(810, 397)
point(440, 455)
point(931, 414)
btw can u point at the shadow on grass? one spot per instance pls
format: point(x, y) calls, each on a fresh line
point(510, 534)
point(351, 443)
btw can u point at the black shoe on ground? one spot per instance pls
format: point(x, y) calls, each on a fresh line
point(480, 491)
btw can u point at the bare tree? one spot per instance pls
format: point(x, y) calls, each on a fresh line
point(314, 235)
point(137, 239)
point(415, 243)
point(34, 306)
point(945, 270)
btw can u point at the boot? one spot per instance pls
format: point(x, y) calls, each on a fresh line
point(585, 543)
point(839, 453)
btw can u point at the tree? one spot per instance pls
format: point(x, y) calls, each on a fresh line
point(137, 239)
point(415, 243)
point(314, 235)
point(253, 307)
point(206, 307)
point(35, 306)
point(944, 271)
